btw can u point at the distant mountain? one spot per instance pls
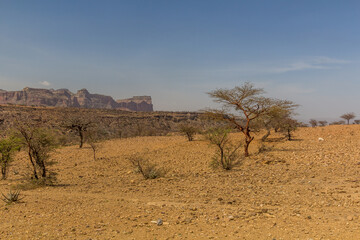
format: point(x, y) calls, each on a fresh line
point(65, 98)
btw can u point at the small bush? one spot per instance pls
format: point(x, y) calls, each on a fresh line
point(8, 146)
point(11, 197)
point(226, 156)
point(39, 143)
point(147, 169)
point(189, 131)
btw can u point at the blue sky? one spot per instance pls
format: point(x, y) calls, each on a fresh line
point(176, 51)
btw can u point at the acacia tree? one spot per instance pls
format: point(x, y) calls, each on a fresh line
point(275, 119)
point(249, 102)
point(348, 117)
point(78, 124)
point(288, 126)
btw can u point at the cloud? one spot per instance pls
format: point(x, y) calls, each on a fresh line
point(45, 83)
point(318, 62)
point(311, 63)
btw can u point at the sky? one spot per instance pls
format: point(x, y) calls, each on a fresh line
point(176, 51)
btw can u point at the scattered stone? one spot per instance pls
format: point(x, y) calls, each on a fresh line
point(159, 222)
point(350, 218)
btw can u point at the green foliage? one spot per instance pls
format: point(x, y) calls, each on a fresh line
point(288, 126)
point(8, 146)
point(39, 143)
point(226, 156)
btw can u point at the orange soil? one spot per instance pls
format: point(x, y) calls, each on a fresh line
point(303, 189)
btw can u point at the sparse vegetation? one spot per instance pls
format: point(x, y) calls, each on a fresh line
point(288, 126)
point(341, 122)
point(348, 117)
point(8, 146)
point(93, 139)
point(249, 102)
point(78, 124)
point(226, 155)
point(313, 122)
point(11, 197)
point(264, 148)
point(323, 123)
point(189, 131)
point(145, 168)
point(39, 143)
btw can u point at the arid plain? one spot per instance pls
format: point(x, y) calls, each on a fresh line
point(301, 189)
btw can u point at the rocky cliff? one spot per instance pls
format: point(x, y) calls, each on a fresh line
point(65, 98)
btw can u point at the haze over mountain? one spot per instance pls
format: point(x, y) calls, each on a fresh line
point(65, 98)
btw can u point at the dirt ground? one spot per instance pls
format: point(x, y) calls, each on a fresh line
point(301, 189)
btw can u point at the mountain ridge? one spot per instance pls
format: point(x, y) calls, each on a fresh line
point(65, 98)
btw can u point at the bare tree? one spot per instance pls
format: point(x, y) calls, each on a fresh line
point(93, 138)
point(313, 122)
point(78, 124)
point(323, 123)
point(249, 102)
point(348, 117)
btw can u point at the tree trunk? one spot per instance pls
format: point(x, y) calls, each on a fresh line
point(3, 172)
point(33, 164)
point(81, 138)
point(289, 135)
point(246, 146)
point(43, 169)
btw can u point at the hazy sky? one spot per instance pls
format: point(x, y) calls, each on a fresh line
point(177, 50)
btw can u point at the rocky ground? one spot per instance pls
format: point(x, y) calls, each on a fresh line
point(301, 189)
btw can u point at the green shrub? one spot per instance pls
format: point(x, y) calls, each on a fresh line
point(226, 155)
point(8, 146)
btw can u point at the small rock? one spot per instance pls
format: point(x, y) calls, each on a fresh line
point(350, 218)
point(231, 217)
point(159, 222)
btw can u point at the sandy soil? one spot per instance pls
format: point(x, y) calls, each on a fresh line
point(302, 189)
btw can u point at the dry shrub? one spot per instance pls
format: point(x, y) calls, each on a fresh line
point(148, 170)
point(189, 131)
